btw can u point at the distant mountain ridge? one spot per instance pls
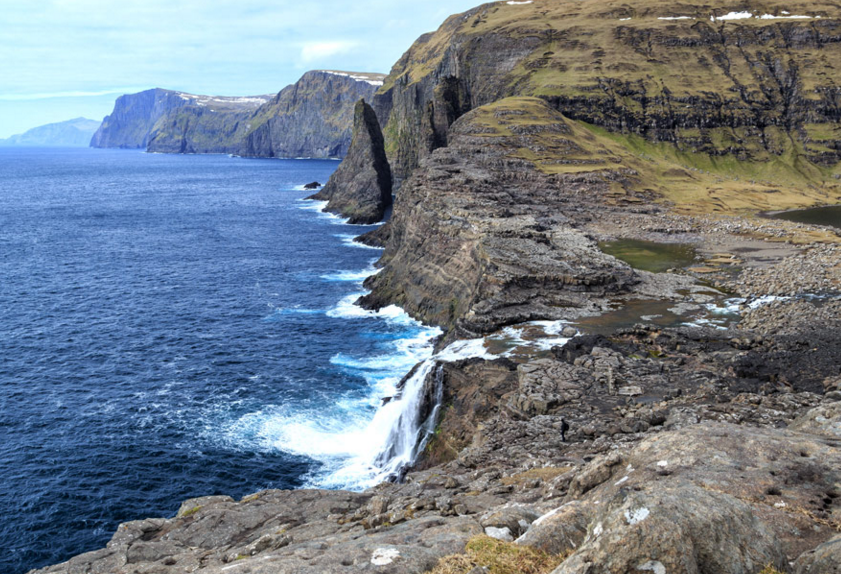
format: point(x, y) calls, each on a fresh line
point(311, 118)
point(71, 133)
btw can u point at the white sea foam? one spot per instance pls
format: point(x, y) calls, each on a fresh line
point(349, 435)
point(367, 435)
point(524, 338)
point(723, 312)
point(465, 349)
point(349, 240)
point(312, 205)
point(278, 313)
point(303, 187)
point(359, 450)
point(348, 309)
point(785, 17)
point(319, 206)
point(353, 276)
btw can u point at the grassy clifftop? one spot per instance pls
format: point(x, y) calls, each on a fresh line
point(742, 96)
point(692, 182)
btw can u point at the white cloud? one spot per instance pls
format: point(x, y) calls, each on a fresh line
point(315, 51)
point(64, 49)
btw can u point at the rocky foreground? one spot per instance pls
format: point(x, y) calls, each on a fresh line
point(688, 452)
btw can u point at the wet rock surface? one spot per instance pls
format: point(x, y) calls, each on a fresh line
point(709, 465)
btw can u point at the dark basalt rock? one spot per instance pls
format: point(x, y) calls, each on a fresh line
point(747, 81)
point(312, 186)
point(311, 118)
point(361, 188)
point(480, 239)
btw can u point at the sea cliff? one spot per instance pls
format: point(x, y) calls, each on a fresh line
point(611, 419)
point(72, 133)
point(311, 118)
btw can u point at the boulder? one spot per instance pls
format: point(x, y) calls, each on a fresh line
point(679, 528)
point(825, 559)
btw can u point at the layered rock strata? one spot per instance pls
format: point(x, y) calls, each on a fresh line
point(709, 78)
point(311, 118)
point(690, 449)
point(488, 232)
point(360, 189)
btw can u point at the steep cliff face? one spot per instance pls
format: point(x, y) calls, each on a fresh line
point(311, 118)
point(481, 237)
point(707, 78)
point(206, 124)
point(133, 117)
point(361, 188)
point(514, 123)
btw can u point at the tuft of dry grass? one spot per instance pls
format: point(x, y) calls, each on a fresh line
point(499, 558)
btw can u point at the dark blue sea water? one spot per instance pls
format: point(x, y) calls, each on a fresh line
point(172, 327)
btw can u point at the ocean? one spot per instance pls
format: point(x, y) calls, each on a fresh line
point(179, 326)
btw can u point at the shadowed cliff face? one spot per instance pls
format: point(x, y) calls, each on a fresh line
point(133, 117)
point(311, 118)
point(361, 188)
point(481, 238)
point(757, 88)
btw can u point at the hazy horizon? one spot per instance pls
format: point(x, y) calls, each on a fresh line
point(65, 59)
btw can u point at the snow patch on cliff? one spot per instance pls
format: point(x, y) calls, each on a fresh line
point(373, 79)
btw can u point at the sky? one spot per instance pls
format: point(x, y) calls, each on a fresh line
point(62, 59)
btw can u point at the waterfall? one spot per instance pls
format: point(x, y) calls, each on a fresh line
point(401, 427)
point(411, 418)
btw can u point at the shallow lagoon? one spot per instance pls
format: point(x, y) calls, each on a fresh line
point(830, 216)
point(650, 255)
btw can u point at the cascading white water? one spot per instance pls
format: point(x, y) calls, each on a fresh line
point(399, 429)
